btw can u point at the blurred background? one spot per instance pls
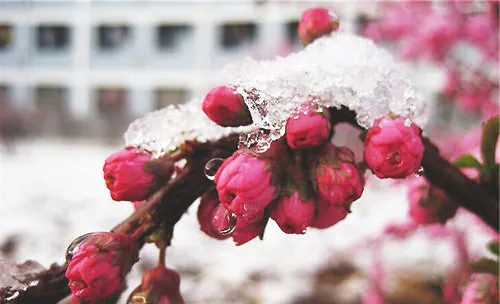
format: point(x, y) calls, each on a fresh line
point(87, 68)
point(74, 74)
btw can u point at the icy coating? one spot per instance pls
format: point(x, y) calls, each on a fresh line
point(339, 69)
point(165, 130)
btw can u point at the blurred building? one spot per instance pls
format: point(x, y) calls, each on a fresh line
point(107, 62)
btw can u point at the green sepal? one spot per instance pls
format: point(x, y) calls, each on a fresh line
point(493, 247)
point(489, 140)
point(468, 161)
point(264, 224)
point(485, 265)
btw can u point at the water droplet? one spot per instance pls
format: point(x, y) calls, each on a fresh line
point(303, 231)
point(138, 300)
point(75, 246)
point(223, 220)
point(419, 172)
point(33, 283)
point(13, 296)
point(407, 122)
point(77, 285)
point(212, 166)
point(231, 224)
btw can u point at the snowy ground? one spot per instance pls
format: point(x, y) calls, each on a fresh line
point(52, 192)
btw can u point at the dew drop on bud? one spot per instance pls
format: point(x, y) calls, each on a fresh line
point(138, 300)
point(407, 122)
point(75, 246)
point(303, 231)
point(419, 172)
point(77, 285)
point(223, 220)
point(212, 166)
point(33, 283)
point(13, 296)
point(231, 224)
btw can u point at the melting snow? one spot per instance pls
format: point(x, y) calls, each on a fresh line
point(340, 69)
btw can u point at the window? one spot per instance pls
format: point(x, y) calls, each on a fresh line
point(111, 101)
point(51, 100)
point(4, 91)
point(5, 36)
point(291, 31)
point(165, 97)
point(52, 37)
point(168, 36)
point(112, 37)
point(234, 35)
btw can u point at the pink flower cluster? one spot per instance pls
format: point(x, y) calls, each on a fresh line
point(437, 32)
point(301, 181)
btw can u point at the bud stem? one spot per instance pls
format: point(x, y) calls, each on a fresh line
point(161, 255)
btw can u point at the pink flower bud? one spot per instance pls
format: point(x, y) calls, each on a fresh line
point(309, 127)
point(97, 269)
point(244, 185)
point(125, 175)
point(224, 106)
point(336, 176)
point(246, 231)
point(393, 147)
point(429, 204)
point(163, 281)
point(327, 214)
point(209, 203)
point(316, 22)
point(293, 214)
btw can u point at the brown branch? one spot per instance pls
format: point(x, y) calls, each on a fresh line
point(171, 201)
point(165, 207)
point(441, 173)
point(459, 187)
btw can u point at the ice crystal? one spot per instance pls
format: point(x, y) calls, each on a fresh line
point(340, 69)
point(20, 276)
point(165, 130)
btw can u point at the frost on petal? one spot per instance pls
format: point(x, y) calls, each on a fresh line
point(338, 69)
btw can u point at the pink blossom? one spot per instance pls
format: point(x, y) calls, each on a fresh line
point(429, 204)
point(125, 175)
point(483, 289)
point(434, 36)
point(97, 269)
point(336, 176)
point(308, 128)
point(393, 148)
point(469, 102)
point(451, 84)
point(245, 231)
point(327, 214)
point(316, 22)
point(292, 213)
point(479, 28)
point(209, 204)
point(244, 185)
point(224, 106)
